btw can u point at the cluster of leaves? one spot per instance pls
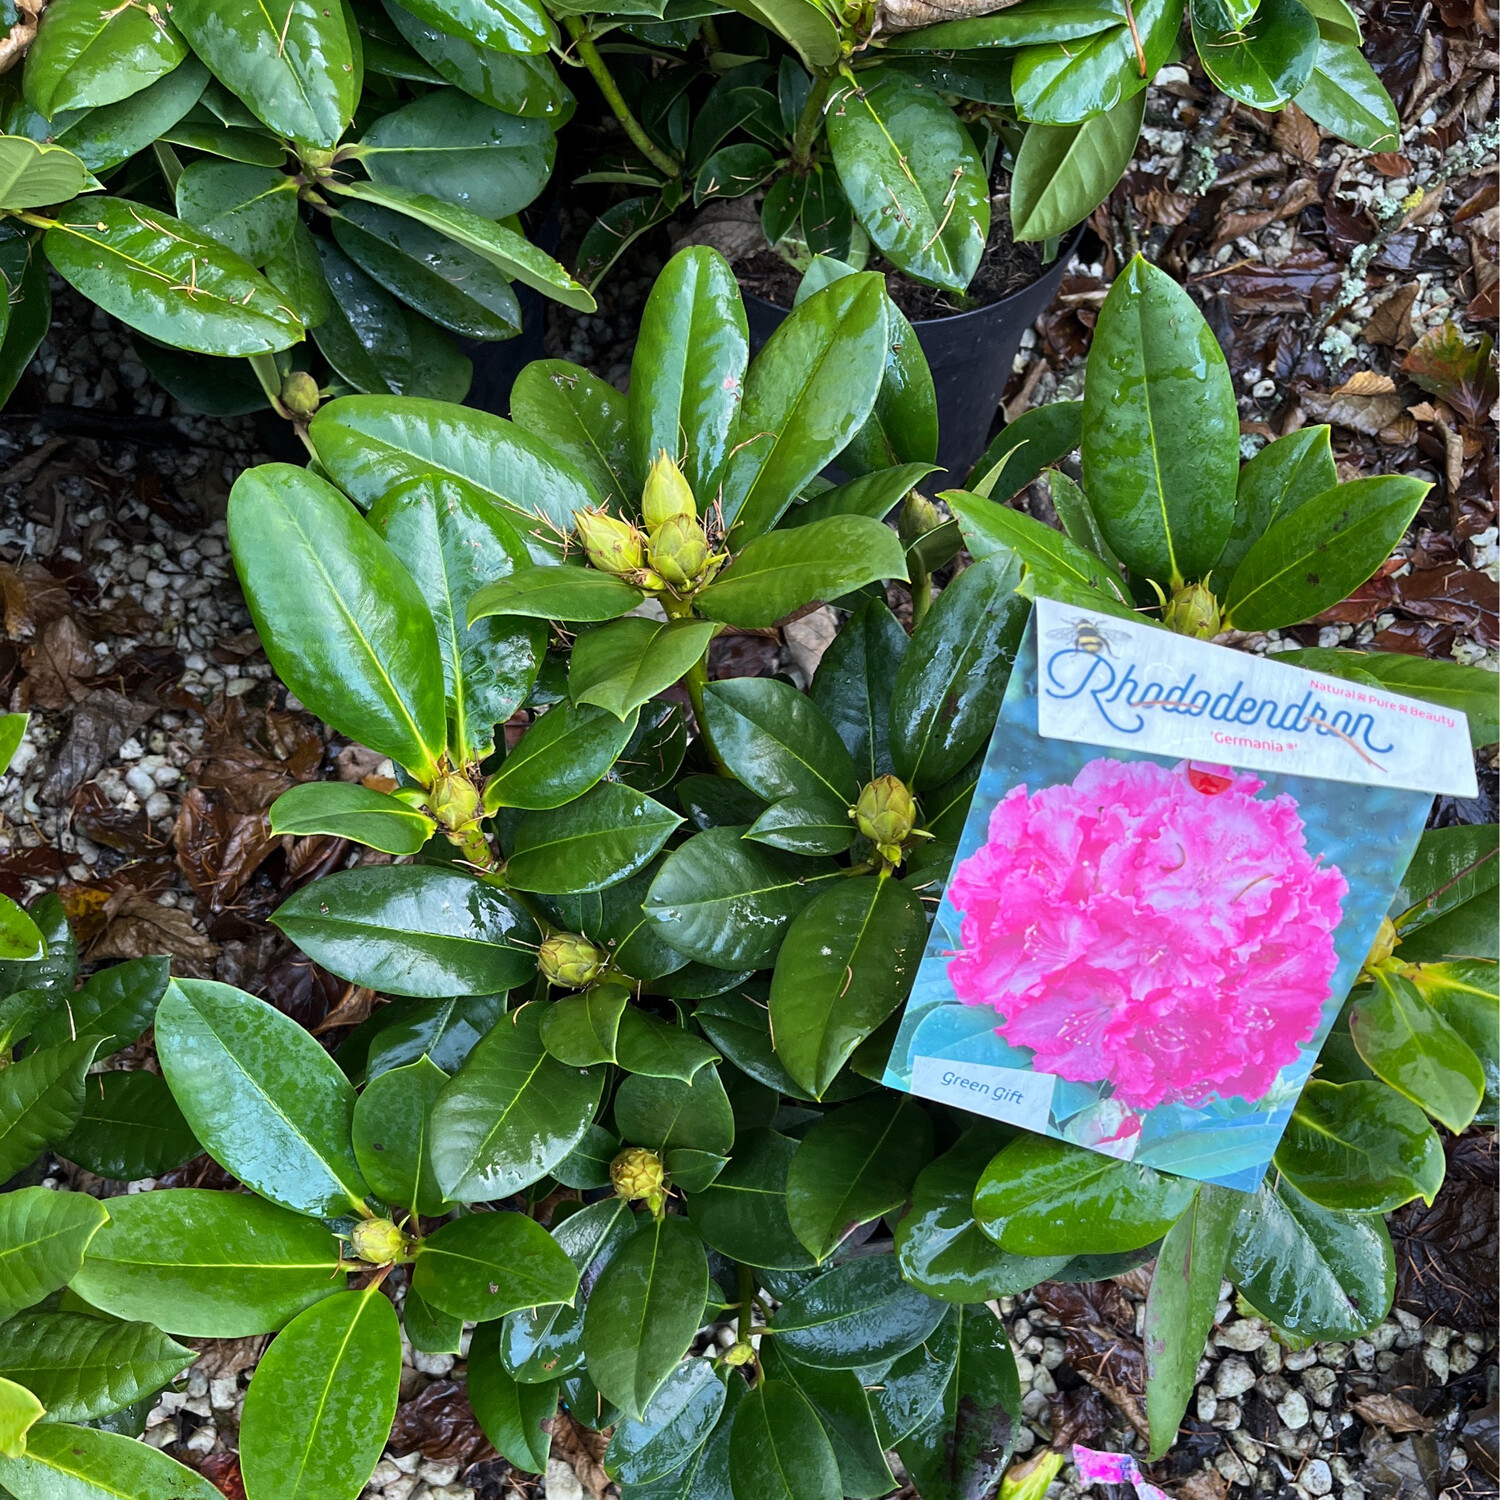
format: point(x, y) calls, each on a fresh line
point(643, 972)
point(870, 140)
point(411, 139)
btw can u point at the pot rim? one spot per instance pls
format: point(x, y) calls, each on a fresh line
point(1065, 254)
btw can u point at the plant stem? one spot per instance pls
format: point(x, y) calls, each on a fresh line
point(588, 55)
point(807, 123)
point(747, 1312)
point(921, 594)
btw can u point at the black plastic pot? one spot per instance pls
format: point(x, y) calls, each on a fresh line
point(970, 355)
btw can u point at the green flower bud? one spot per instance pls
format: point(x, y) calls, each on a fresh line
point(638, 1175)
point(679, 552)
point(299, 394)
point(918, 516)
point(741, 1353)
point(571, 961)
point(1193, 611)
point(886, 813)
point(378, 1241)
point(453, 800)
point(612, 546)
point(1383, 949)
point(666, 496)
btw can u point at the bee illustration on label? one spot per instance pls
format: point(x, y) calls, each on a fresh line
point(1087, 636)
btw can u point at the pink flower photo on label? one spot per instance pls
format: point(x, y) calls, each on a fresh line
point(1160, 930)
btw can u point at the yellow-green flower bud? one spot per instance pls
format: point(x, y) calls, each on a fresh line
point(1384, 947)
point(679, 552)
point(453, 800)
point(1193, 611)
point(299, 394)
point(918, 516)
point(638, 1175)
point(885, 814)
point(740, 1353)
point(666, 496)
point(612, 546)
point(377, 1241)
point(571, 961)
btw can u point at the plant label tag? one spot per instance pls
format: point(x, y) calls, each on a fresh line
point(1147, 933)
point(1107, 681)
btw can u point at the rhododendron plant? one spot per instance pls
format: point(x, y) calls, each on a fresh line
point(1168, 934)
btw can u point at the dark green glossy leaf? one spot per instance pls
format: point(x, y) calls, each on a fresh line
point(347, 628)
point(1281, 478)
point(544, 1343)
point(510, 1114)
point(369, 444)
point(913, 177)
point(267, 1102)
point(1316, 1273)
point(559, 758)
point(251, 210)
point(297, 273)
point(729, 903)
point(667, 1113)
point(90, 52)
point(204, 1264)
point(482, 1266)
point(1450, 866)
point(1064, 82)
point(575, 595)
point(1407, 1043)
point(584, 419)
point(413, 930)
point(1266, 62)
point(743, 1214)
point(942, 1250)
point(854, 683)
point(778, 1449)
point(457, 149)
point(795, 417)
point(604, 836)
point(1064, 172)
point(855, 1165)
point(166, 279)
point(115, 1005)
point(319, 1409)
point(1042, 1197)
point(1038, 21)
point(510, 1414)
point(675, 1424)
point(430, 1331)
point(643, 1312)
point(614, 918)
point(392, 1133)
point(689, 367)
point(298, 73)
point(964, 1446)
point(83, 1463)
point(1181, 1303)
point(991, 529)
point(1345, 97)
point(130, 1128)
point(43, 1237)
point(620, 665)
point(83, 1367)
point(444, 1030)
point(659, 1050)
point(1160, 429)
point(777, 741)
point(513, 82)
point(1024, 448)
point(776, 574)
point(906, 1391)
point(41, 1099)
point(654, 753)
point(1360, 1146)
point(345, 809)
point(378, 345)
point(953, 676)
point(580, 1030)
point(32, 174)
point(804, 825)
point(1322, 551)
point(443, 281)
point(847, 962)
point(452, 542)
point(861, 1312)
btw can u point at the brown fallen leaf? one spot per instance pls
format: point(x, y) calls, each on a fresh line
point(137, 927)
point(1446, 365)
point(1206, 1484)
point(58, 665)
point(1390, 323)
point(222, 1470)
point(582, 1450)
point(1392, 1413)
point(1365, 403)
point(440, 1425)
point(1297, 135)
point(218, 849)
